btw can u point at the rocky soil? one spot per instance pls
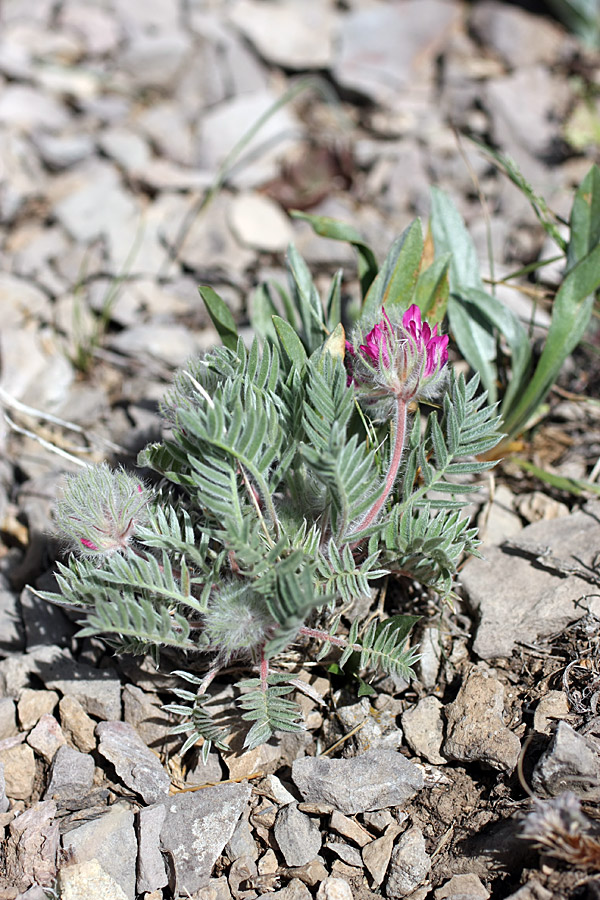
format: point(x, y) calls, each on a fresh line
point(118, 194)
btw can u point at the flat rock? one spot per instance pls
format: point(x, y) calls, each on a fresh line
point(151, 869)
point(19, 771)
point(475, 727)
point(77, 725)
point(25, 108)
point(298, 836)
point(196, 828)
point(548, 600)
point(21, 300)
point(518, 37)
point(288, 33)
point(383, 49)
point(334, 889)
point(33, 704)
point(90, 201)
point(46, 737)
point(110, 840)
point(571, 763)
point(32, 846)
point(71, 775)
point(375, 780)
point(144, 712)
point(462, 887)
point(409, 865)
point(88, 879)
point(260, 223)
point(423, 728)
point(376, 855)
point(135, 764)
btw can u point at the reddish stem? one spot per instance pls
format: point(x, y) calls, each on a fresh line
point(399, 436)
point(264, 669)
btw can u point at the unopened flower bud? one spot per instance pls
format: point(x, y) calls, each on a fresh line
point(101, 509)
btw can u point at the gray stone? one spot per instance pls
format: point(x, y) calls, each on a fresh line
point(497, 521)
point(551, 708)
point(61, 152)
point(260, 223)
point(167, 127)
point(424, 729)
point(409, 865)
point(90, 200)
point(144, 712)
point(462, 887)
point(45, 623)
point(155, 61)
point(46, 737)
point(571, 763)
point(110, 840)
point(25, 108)
point(289, 33)
point(385, 49)
point(19, 771)
point(526, 107)
point(33, 704)
point(475, 727)
point(12, 636)
point(196, 828)
point(170, 344)
point(99, 29)
point(533, 890)
point(349, 828)
point(297, 835)
point(21, 176)
point(430, 656)
point(136, 765)
point(71, 775)
point(21, 301)
point(548, 600)
point(375, 780)
point(241, 843)
point(151, 870)
point(294, 890)
point(88, 879)
point(220, 129)
point(518, 37)
point(128, 149)
point(346, 852)
point(4, 801)
point(276, 789)
point(98, 691)
point(32, 846)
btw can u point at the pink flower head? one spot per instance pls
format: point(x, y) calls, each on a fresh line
point(403, 359)
point(434, 345)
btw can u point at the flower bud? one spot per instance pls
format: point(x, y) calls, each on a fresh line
point(100, 510)
point(236, 620)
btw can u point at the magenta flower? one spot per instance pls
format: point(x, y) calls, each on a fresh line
point(403, 360)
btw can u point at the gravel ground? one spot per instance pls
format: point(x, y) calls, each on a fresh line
point(116, 119)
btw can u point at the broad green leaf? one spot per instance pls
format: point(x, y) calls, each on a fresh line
point(340, 231)
point(220, 315)
point(290, 343)
point(395, 282)
point(432, 289)
point(585, 218)
point(475, 340)
point(571, 312)
point(262, 310)
point(507, 323)
point(450, 235)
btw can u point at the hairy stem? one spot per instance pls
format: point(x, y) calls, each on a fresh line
point(264, 669)
point(399, 437)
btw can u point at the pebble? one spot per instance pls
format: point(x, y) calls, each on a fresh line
point(462, 887)
point(33, 704)
point(4, 801)
point(25, 108)
point(76, 725)
point(409, 865)
point(135, 764)
point(376, 855)
point(289, 34)
point(151, 870)
point(375, 780)
point(46, 737)
point(297, 835)
point(334, 889)
point(242, 843)
point(423, 728)
point(88, 879)
point(260, 223)
point(110, 840)
point(71, 775)
point(551, 708)
point(570, 763)
point(8, 719)
point(19, 771)
point(11, 625)
point(475, 728)
point(349, 828)
point(516, 35)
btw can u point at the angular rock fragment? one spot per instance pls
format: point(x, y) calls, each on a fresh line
point(32, 846)
point(375, 780)
point(71, 775)
point(297, 835)
point(19, 771)
point(409, 865)
point(571, 763)
point(475, 727)
point(137, 766)
point(88, 879)
point(110, 840)
point(151, 870)
point(46, 737)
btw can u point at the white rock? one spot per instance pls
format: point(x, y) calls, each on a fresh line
point(260, 223)
point(290, 33)
point(88, 879)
